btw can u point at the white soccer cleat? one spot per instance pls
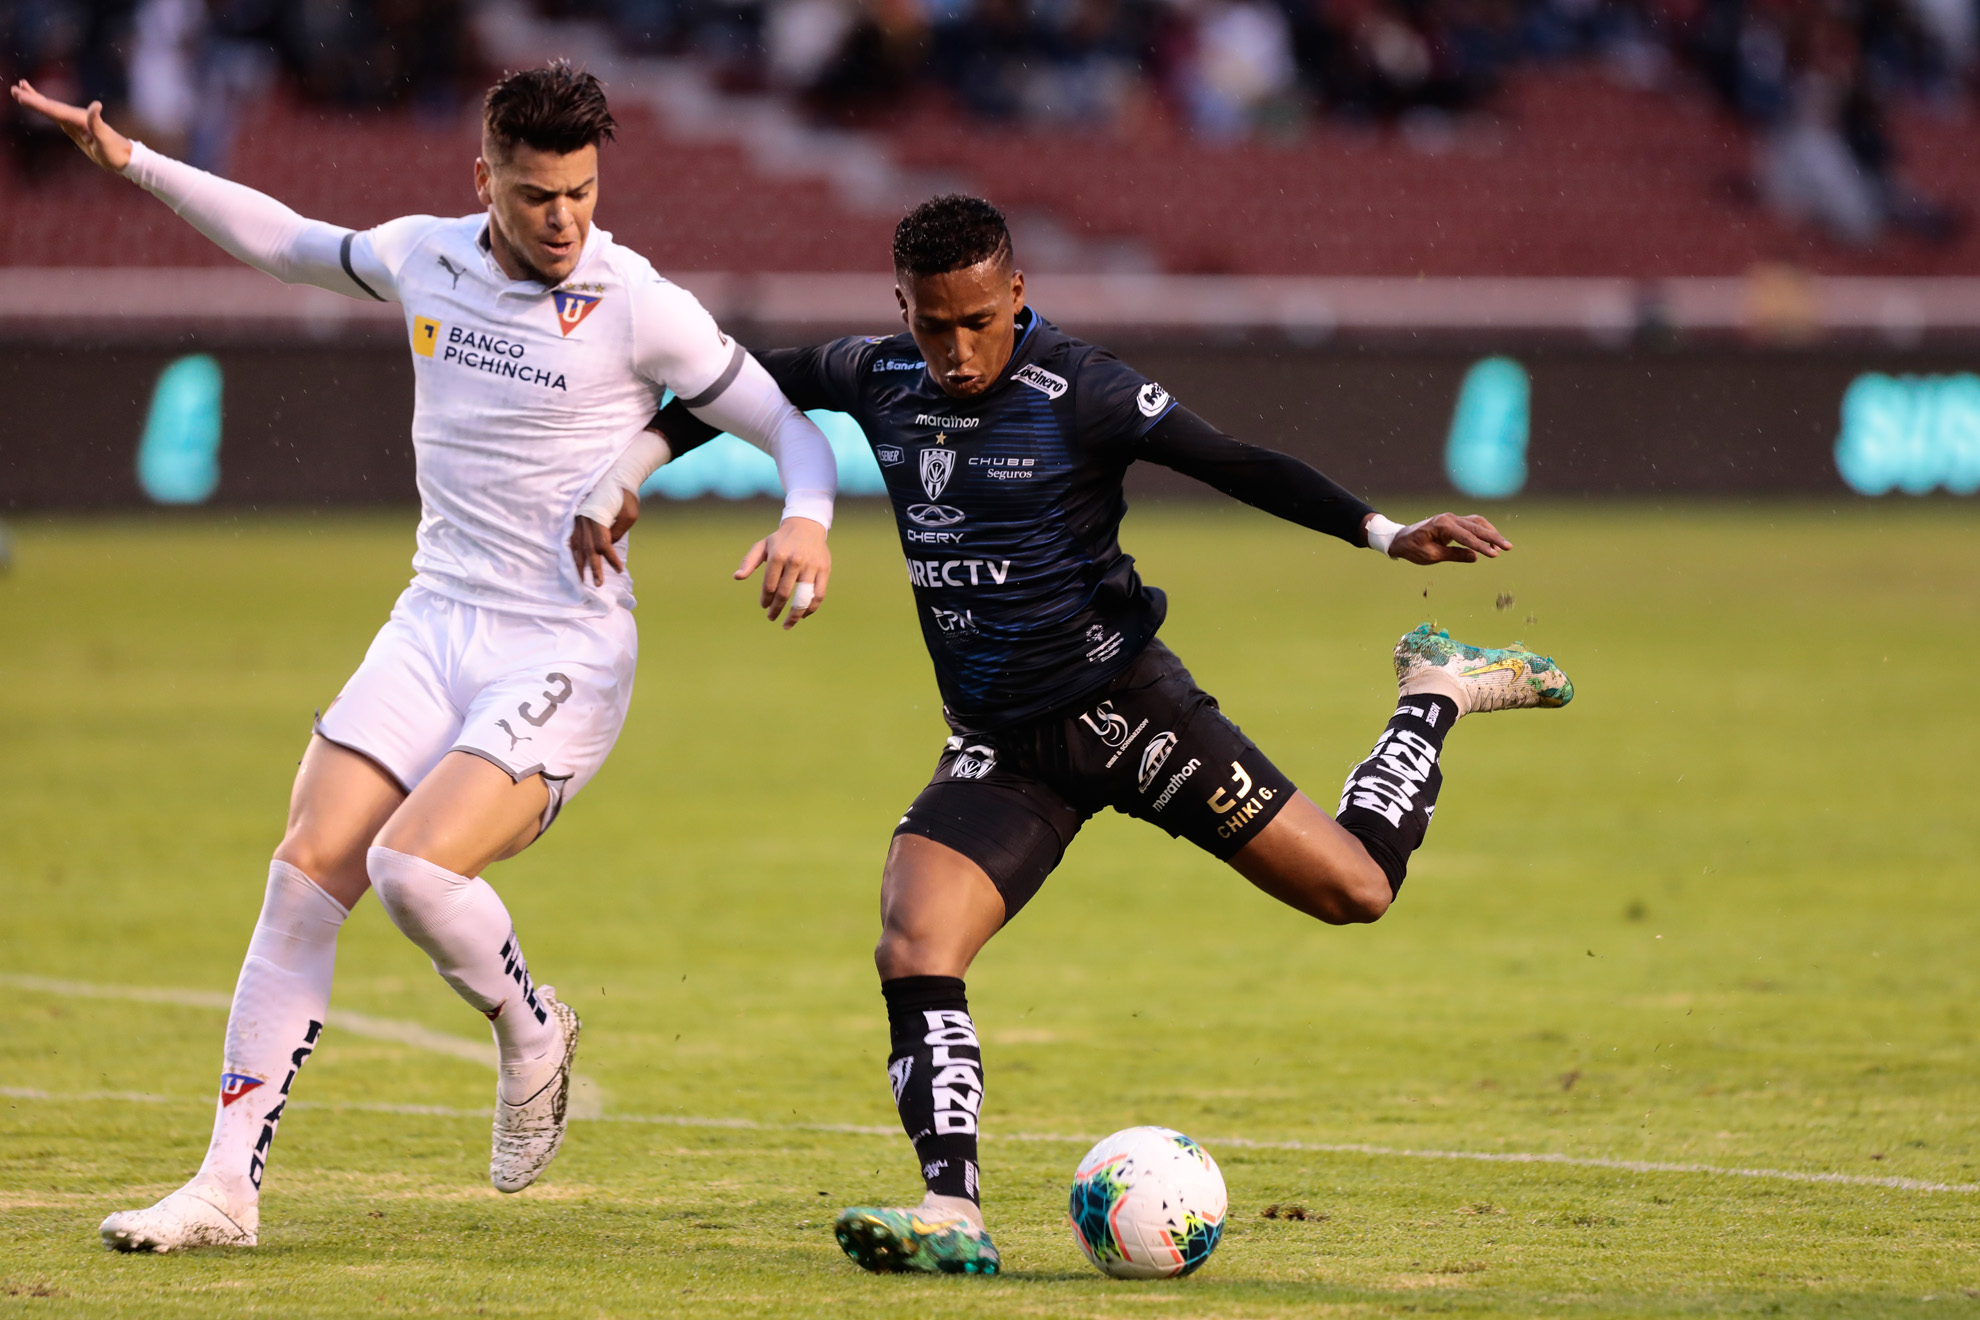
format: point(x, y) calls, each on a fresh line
point(1480, 679)
point(190, 1217)
point(527, 1135)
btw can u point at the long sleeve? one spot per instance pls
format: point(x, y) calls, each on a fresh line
point(754, 408)
point(1263, 478)
point(718, 385)
point(252, 226)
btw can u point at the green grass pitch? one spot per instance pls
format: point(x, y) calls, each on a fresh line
point(1720, 911)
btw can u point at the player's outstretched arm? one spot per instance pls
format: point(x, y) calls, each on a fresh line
point(1447, 538)
point(1282, 485)
point(251, 226)
point(85, 127)
point(718, 387)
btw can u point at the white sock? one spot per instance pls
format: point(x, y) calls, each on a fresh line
point(462, 925)
point(1439, 683)
point(280, 1002)
point(951, 1207)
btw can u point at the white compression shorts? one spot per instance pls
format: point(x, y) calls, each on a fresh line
point(530, 695)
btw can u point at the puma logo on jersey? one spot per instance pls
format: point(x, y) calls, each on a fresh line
point(514, 737)
point(452, 269)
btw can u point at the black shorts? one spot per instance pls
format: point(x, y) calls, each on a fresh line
point(1151, 744)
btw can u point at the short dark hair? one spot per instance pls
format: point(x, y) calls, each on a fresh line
point(555, 108)
point(950, 232)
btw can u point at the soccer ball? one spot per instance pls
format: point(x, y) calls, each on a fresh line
point(1147, 1203)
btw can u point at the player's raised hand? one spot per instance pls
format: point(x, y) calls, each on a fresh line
point(796, 565)
point(593, 545)
point(1448, 538)
point(85, 127)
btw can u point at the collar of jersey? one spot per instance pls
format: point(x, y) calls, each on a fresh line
point(1021, 351)
point(535, 288)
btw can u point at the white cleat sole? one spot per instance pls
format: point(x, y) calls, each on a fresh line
point(180, 1221)
point(527, 1136)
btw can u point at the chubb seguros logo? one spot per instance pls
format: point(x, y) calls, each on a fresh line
point(1910, 433)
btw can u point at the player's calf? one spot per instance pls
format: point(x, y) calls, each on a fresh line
point(1308, 862)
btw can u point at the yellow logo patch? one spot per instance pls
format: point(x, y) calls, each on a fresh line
point(426, 333)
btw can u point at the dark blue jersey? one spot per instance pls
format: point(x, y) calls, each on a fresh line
point(1009, 504)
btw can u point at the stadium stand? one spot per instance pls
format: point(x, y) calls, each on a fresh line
point(1560, 168)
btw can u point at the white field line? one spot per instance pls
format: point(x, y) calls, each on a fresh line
point(410, 1033)
point(587, 1100)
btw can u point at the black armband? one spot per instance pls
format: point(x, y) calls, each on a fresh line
point(1278, 483)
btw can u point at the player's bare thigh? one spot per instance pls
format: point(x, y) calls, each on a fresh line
point(339, 803)
point(466, 815)
point(937, 910)
point(1307, 861)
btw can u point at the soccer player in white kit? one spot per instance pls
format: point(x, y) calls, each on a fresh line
point(541, 349)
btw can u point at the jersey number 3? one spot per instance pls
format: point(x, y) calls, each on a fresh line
point(552, 700)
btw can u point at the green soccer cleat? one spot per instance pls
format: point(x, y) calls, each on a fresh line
point(901, 1241)
point(1484, 680)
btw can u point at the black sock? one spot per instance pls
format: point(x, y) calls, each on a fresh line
point(936, 1067)
point(1387, 800)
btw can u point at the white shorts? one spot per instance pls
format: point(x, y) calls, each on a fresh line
point(533, 696)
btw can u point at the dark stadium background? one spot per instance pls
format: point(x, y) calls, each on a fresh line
point(1693, 225)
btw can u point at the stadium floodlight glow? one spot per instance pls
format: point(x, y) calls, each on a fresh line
point(1910, 433)
point(1485, 456)
point(178, 459)
point(736, 470)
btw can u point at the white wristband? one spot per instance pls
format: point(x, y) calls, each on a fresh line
point(647, 454)
point(1382, 533)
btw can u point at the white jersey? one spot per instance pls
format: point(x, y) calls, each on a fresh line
point(524, 394)
point(523, 397)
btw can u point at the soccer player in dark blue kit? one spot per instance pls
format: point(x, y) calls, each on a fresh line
point(1003, 443)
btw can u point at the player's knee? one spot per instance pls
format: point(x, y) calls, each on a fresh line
point(419, 897)
point(897, 954)
point(1365, 896)
point(334, 868)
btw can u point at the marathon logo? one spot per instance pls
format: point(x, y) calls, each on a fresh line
point(1237, 811)
point(951, 423)
point(1045, 382)
point(572, 308)
point(1176, 781)
point(478, 351)
point(957, 1086)
point(258, 1161)
point(936, 573)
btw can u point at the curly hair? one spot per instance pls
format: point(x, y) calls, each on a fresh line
point(951, 232)
point(556, 108)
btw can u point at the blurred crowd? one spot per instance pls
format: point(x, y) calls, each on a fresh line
point(177, 71)
point(1814, 80)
